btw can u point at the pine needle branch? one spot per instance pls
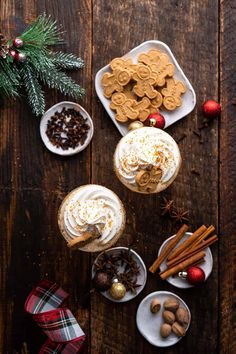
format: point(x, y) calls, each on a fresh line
point(43, 32)
point(58, 80)
point(33, 89)
point(66, 61)
point(9, 79)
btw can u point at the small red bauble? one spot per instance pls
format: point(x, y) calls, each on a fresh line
point(12, 53)
point(211, 109)
point(155, 120)
point(194, 275)
point(18, 42)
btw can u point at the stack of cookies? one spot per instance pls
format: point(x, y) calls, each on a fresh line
point(137, 90)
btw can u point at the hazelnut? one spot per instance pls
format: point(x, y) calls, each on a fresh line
point(178, 329)
point(155, 305)
point(165, 330)
point(182, 316)
point(168, 317)
point(171, 305)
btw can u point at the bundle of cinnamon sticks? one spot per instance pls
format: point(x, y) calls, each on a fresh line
point(180, 256)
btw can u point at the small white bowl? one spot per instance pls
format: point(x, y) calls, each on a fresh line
point(141, 278)
point(149, 323)
point(188, 98)
point(183, 283)
point(49, 113)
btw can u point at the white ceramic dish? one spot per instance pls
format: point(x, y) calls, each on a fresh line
point(206, 266)
point(149, 323)
point(141, 278)
point(189, 97)
point(49, 113)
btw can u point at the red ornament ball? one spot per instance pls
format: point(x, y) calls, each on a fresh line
point(18, 42)
point(12, 53)
point(195, 275)
point(211, 109)
point(155, 120)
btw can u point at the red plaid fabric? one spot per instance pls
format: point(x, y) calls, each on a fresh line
point(64, 333)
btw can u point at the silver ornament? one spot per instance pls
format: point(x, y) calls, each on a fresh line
point(21, 57)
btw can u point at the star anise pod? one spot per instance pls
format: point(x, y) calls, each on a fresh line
point(180, 215)
point(167, 206)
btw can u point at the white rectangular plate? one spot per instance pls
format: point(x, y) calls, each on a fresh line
point(188, 98)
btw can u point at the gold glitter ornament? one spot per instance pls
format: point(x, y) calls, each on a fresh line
point(135, 125)
point(117, 290)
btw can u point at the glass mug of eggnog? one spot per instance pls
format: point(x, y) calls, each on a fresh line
point(147, 160)
point(91, 218)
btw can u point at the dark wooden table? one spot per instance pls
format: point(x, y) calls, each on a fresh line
point(33, 181)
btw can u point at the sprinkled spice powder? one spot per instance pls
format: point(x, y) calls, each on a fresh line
point(67, 129)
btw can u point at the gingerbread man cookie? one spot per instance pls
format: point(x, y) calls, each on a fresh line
point(115, 82)
point(151, 57)
point(145, 81)
point(163, 69)
point(172, 93)
point(120, 63)
point(148, 179)
point(156, 103)
point(142, 108)
point(123, 107)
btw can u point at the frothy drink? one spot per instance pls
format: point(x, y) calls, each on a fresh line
point(147, 160)
point(91, 218)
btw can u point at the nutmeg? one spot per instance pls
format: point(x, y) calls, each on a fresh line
point(182, 316)
point(168, 317)
point(178, 329)
point(155, 305)
point(165, 330)
point(171, 305)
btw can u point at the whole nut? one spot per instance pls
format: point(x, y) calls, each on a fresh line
point(165, 330)
point(178, 329)
point(155, 305)
point(168, 317)
point(171, 305)
point(182, 316)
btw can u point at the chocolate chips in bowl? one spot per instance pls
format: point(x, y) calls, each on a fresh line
point(66, 128)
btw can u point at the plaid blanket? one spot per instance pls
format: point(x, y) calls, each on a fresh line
point(45, 303)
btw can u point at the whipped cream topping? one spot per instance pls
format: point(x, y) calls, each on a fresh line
point(93, 206)
point(144, 147)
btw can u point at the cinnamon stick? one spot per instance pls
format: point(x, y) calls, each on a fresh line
point(168, 248)
point(81, 241)
point(202, 260)
point(192, 252)
point(187, 243)
point(201, 238)
point(181, 266)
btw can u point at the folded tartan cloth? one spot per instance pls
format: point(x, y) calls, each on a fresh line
point(45, 303)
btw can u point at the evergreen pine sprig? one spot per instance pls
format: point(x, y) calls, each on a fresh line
point(9, 80)
point(67, 61)
point(42, 65)
point(33, 89)
point(42, 33)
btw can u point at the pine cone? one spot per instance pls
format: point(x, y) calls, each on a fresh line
point(3, 46)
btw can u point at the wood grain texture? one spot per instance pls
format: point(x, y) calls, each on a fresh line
point(33, 183)
point(227, 271)
point(183, 26)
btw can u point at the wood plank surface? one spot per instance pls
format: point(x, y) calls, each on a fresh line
point(227, 271)
point(33, 182)
point(183, 26)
